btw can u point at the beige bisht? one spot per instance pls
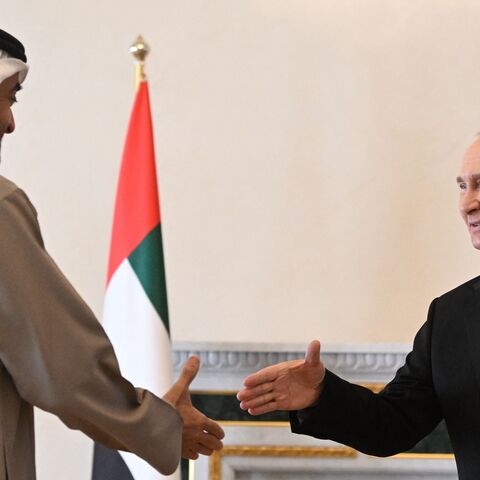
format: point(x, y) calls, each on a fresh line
point(55, 355)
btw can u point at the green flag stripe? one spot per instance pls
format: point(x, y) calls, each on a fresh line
point(148, 264)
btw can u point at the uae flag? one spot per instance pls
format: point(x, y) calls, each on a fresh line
point(135, 311)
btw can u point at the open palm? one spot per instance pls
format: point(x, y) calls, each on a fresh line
point(291, 385)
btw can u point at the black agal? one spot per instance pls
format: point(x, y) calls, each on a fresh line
point(12, 46)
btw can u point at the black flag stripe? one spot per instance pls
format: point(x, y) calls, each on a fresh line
point(109, 465)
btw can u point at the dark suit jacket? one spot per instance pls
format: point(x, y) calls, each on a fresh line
point(440, 379)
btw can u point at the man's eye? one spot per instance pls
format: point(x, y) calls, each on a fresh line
point(462, 186)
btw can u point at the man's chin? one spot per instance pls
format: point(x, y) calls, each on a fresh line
point(476, 241)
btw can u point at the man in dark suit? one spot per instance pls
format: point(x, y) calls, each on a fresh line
point(440, 378)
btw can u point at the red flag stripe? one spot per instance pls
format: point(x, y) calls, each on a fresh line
point(136, 208)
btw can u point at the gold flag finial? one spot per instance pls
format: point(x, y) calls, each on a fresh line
point(140, 50)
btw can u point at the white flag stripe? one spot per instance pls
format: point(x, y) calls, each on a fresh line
point(142, 346)
point(141, 470)
point(137, 333)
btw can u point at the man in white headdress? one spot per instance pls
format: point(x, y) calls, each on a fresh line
point(13, 70)
point(54, 353)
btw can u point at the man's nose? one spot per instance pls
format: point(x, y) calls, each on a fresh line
point(10, 124)
point(470, 202)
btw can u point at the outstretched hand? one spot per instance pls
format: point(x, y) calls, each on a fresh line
point(201, 435)
point(291, 385)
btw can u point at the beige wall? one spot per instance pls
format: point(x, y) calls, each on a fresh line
point(306, 153)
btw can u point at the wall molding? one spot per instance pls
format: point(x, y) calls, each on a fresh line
point(223, 367)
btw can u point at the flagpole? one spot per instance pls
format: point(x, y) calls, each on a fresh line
point(136, 308)
point(140, 50)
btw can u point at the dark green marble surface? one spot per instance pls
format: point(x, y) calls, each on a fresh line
point(226, 407)
point(437, 441)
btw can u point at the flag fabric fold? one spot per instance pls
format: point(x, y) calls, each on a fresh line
point(135, 313)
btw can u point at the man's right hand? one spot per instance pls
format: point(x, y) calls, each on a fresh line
point(201, 435)
point(291, 385)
